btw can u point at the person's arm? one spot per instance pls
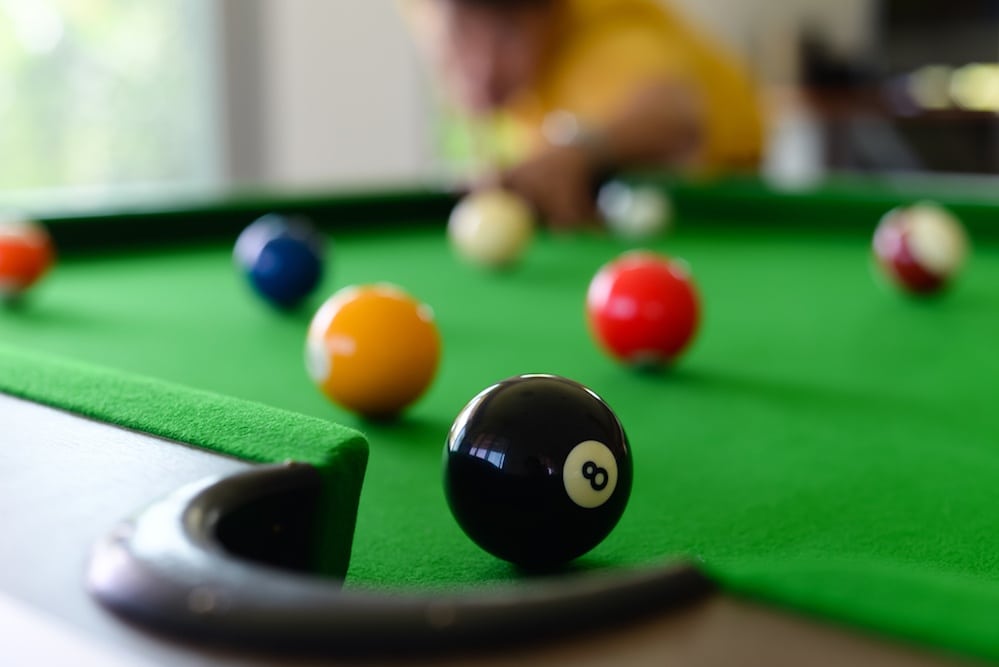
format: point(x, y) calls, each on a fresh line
point(660, 125)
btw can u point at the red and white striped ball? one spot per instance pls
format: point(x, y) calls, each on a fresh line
point(921, 248)
point(26, 254)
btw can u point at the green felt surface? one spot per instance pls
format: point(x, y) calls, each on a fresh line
point(826, 444)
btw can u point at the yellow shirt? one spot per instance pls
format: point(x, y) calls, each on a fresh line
point(610, 49)
point(606, 51)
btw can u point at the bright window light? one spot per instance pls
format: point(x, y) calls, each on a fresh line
point(107, 95)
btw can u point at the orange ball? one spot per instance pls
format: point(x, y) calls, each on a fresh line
point(26, 253)
point(373, 349)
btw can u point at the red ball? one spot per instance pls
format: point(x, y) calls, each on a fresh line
point(920, 248)
point(26, 254)
point(643, 309)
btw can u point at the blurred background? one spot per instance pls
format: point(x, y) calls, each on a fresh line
point(125, 97)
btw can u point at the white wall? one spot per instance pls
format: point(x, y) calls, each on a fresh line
point(343, 99)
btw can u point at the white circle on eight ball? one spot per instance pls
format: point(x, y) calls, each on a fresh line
point(590, 474)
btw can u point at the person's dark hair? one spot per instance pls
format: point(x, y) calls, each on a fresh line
point(506, 4)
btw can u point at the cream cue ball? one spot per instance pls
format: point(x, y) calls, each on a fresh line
point(491, 228)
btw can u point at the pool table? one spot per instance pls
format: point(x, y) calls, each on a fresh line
point(816, 477)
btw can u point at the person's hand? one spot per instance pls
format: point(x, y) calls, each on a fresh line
point(559, 183)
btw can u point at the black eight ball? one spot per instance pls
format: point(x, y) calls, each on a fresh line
point(537, 470)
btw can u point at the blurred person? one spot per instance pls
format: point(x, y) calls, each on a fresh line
point(559, 93)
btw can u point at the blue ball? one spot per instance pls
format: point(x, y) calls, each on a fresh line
point(282, 257)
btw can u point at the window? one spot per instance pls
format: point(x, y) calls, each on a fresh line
point(107, 94)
